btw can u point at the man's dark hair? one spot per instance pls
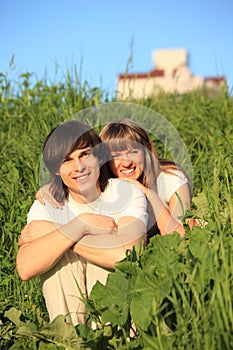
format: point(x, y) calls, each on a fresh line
point(64, 140)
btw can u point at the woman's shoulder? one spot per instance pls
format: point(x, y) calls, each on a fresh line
point(171, 174)
point(168, 182)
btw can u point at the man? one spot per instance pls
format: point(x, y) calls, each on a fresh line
point(79, 243)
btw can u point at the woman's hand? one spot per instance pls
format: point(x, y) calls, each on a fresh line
point(36, 229)
point(44, 193)
point(196, 222)
point(144, 189)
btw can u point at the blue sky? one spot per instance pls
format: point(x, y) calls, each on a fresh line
point(99, 36)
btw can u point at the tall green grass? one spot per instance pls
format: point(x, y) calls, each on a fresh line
point(197, 311)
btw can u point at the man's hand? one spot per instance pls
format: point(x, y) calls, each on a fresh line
point(36, 229)
point(84, 224)
point(97, 224)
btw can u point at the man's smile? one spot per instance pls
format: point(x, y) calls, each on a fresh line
point(81, 178)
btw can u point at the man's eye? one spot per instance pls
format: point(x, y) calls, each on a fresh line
point(86, 154)
point(65, 160)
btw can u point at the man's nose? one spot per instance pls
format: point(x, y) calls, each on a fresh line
point(78, 164)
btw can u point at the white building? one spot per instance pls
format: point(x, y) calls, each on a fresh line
point(171, 75)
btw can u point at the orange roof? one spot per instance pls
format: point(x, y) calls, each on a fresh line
point(153, 73)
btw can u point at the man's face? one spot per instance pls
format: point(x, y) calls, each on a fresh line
point(80, 173)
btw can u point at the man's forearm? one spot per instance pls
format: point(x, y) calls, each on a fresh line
point(104, 257)
point(42, 254)
point(106, 250)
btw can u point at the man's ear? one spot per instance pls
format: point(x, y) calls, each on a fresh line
point(101, 162)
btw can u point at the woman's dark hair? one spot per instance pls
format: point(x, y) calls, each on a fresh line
point(64, 140)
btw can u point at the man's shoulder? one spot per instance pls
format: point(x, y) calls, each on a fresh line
point(47, 212)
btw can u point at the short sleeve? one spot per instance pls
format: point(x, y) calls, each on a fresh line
point(46, 212)
point(168, 183)
point(135, 203)
point(38, 211)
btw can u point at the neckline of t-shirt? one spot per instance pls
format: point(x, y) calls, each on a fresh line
point(76, 204)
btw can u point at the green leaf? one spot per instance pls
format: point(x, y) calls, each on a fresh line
point(61, 332)
point(57, 332)
point(202, 204)
point(150, 290)
point(199, 242)
point(156, 343)
point(112, 299)
point(164, 253)
point(14, 315)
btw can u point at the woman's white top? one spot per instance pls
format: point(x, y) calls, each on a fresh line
point(168, 183)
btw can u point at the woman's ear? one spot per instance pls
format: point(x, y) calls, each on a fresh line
point(149, 145)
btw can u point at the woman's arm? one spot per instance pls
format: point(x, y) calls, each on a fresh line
point(168, 220)
point(44, 194)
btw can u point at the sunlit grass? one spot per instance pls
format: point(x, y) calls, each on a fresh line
point(199, 314)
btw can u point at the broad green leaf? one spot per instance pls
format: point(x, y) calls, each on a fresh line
point(61, 332)
point(199, 242)
point(113, 297)
point(115, 315)
point(27, 329)
point(150, 290)
point(202, 204)
point(14, 315)
point(164, 255)
point(57, 332)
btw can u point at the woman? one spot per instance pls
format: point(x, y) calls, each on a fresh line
point(165, 184)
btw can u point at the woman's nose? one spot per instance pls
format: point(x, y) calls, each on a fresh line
point(125, 159)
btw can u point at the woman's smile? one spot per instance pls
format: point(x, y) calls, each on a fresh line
point(128, 163)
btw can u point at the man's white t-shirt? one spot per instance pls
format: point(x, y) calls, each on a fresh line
point(59, 284)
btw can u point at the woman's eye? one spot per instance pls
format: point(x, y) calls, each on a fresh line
point(134, 151)
point(114, 155)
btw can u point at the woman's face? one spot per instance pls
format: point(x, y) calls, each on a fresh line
point(127, 164)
